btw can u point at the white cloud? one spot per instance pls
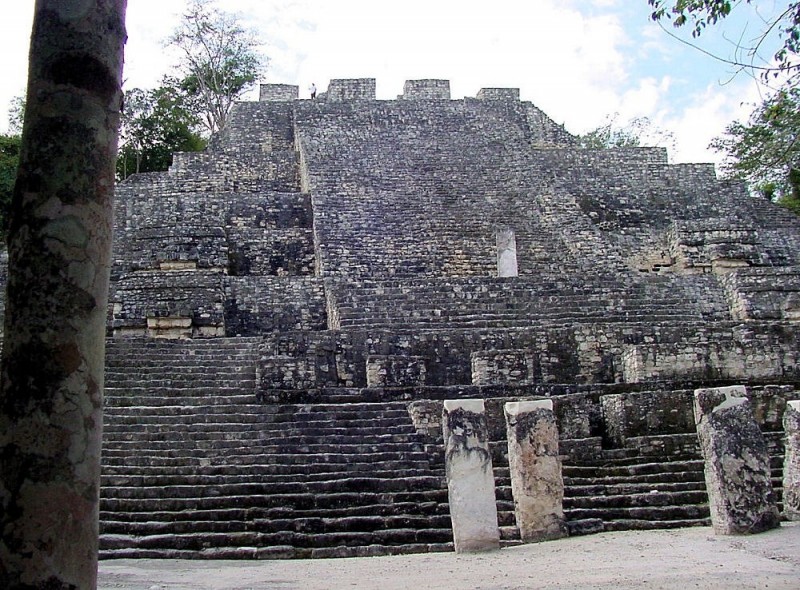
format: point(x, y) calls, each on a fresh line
point(14, 41)
point(712, 110)
point(577, 61)
point(646, 99)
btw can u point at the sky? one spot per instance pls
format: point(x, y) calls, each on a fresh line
point(582, 62)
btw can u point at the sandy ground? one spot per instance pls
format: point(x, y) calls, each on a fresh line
point(680, 560)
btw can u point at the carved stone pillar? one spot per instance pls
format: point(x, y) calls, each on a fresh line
point(737, 469)
point(535, 468)
point(470, 480)
point(791, 465)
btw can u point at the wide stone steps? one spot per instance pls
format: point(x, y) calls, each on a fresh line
point(225, 414)
point(312, 503)
point(266, 433)
point(670, 498)
point(219, 448)
point(493, 302)
point(306, 471)
point(298, 414)
point(573, 491)
point(268, 487)
point(152, 401)
point(183, 380)
point(218, 441)
point(650, 512)
point(622, 492)
point(630, 492)
point(206, 540)
point(636, 467)
point(277, 552)
point(216, 480)
point(255, 426)
point(206, 472)
point(516, 319)
point(277, 523)
point(252, 457)
point(231, 514)
point(182, 362)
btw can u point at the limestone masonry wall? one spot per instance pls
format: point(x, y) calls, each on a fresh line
point(292, 310)
point(358, 238)
point(379, 220)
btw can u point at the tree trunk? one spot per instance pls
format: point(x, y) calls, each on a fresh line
point(51, 389)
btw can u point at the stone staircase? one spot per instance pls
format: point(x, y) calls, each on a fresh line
point(194, 467)
point(518, 302)
point(622, 489)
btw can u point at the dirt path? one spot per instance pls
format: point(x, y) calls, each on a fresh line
point(679, 560)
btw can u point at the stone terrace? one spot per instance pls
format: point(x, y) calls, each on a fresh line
point(290, 308)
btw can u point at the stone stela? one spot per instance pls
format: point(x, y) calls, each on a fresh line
point(737, 465)
point(791, 466)
point(470, 478)
point(535, 468)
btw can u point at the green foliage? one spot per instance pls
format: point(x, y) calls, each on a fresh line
point(765, 150)
point(220, 59)
point(9, 160)
point(785, 23)
point(635, 133)
point(219, 62)
point(156, 123)
point(606, 136)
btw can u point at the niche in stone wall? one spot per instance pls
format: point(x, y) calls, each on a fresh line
point(170, 328)
point(506, 253)
point(181, 328)
point(170, 265)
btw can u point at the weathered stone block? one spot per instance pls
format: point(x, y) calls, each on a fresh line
point(506, 253)
point(395, 371)
point(470, 479)
point(791, 465)
point(351, 89)
point(426, 90)
point(535, 466)
point(737, 470)
point(427, 416)
point(630, 415)
point(495, 367)
point(278, 92)
point(511, 94)
point(735, 358)
point(169, 327)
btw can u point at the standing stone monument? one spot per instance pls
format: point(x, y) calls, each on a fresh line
point(535, 466)
point(506, 253)
point(470, 479)
point(791, 465)
point(737, 469)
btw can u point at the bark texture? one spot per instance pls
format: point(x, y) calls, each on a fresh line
point(59, 251)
